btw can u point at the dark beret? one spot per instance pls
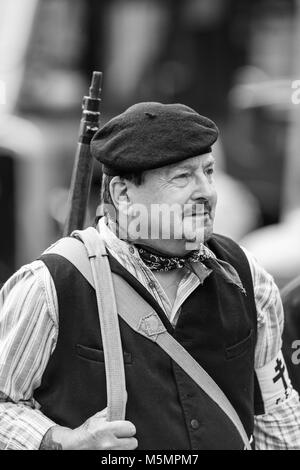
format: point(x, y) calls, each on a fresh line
point(152, 135)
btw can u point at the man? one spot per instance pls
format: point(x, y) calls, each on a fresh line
point(211, 296)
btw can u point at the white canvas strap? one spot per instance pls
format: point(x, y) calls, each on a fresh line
point(96, 264)
point(143, 319)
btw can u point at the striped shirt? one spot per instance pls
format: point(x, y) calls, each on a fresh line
point(28, 336)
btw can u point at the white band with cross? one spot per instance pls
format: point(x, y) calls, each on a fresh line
point(274, 382)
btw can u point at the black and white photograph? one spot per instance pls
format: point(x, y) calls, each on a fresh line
point(150, 227)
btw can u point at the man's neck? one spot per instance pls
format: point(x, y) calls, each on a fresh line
point(169, 281)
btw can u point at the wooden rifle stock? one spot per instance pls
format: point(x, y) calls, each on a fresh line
point(83, 165)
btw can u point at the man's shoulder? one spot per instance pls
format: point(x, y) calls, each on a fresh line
point(27, 273)
point(222, 241)
point(229, 250)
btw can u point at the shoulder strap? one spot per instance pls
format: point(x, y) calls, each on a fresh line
point(143, 319)
point(90, 258)
point(74, 251)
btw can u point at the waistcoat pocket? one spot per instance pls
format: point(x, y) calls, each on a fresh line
point(94, 354)
point(240, 348)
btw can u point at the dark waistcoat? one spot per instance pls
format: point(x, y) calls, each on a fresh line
point(217, 325)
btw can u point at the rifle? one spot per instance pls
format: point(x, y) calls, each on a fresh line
point(83, 165)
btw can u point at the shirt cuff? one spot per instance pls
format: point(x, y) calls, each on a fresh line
point(24, 427)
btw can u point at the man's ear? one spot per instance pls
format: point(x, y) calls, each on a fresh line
point(118, 192)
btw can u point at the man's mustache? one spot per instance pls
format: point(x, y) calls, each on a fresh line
point(197, 209)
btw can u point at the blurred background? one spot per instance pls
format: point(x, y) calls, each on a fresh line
point(232, 60)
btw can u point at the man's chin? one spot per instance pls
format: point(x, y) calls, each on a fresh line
point(208, 233)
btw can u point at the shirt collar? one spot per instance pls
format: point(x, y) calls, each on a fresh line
point(126, 253)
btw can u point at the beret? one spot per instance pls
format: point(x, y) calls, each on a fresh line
point(151, 135)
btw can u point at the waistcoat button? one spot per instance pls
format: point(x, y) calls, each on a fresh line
point(195, 424)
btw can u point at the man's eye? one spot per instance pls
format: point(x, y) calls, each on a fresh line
point(210, 171)
point(182, 175)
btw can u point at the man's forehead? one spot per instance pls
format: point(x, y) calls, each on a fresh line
point(190, 164)
point(194, 162)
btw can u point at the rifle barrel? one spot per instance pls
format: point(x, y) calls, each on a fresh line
point(83, 164)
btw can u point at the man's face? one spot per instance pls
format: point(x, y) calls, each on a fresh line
point(188, 185)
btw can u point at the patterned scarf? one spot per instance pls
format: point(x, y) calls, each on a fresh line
point(159, 262)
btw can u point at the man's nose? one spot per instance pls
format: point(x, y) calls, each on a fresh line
point(203, 189)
